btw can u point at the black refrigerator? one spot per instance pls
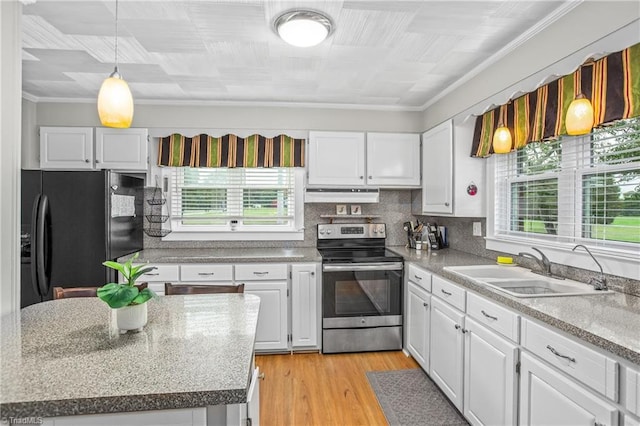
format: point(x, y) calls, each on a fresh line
point(71, 223)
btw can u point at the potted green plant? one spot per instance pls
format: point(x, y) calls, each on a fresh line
point(128, 300)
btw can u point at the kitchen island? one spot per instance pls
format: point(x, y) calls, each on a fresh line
point(66, 358)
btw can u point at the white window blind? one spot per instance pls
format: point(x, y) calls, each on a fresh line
point(233, 199)
point(577, 189)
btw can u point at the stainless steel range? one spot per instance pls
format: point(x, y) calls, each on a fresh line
point(361, 289)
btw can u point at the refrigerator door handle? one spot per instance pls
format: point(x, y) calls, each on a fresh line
point(43, 246)
point(35, 246)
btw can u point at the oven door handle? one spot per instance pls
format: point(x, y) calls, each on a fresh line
point(377, 266)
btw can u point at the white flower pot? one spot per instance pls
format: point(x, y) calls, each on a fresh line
point(133, 317)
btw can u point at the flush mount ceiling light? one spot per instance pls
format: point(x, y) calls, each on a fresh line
point(115, 103)
point(303, 28)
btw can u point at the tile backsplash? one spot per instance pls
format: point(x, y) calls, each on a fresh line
point(393, 209)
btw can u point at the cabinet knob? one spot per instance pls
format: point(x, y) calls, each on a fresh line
point(370, 177)
point(86, 160)
point(457, 327)
point(312, 273)
point(425, 304)
point(361, 177)
point(446, 204)
point(97, 161)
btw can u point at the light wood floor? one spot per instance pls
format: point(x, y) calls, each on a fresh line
point(316, 389)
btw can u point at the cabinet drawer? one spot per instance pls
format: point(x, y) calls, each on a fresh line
point(162, 273)
point(203, 272)
point(584, 364)
point(261, 272)
point(493, 316)
point(449, 292)
point(419, 276)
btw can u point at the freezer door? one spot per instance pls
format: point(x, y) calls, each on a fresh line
point(78, 239)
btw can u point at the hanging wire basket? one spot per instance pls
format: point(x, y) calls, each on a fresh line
point(157, 199)
point(157, 218)
point(157, 232)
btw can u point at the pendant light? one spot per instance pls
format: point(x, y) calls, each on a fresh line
point(303, 28)
point(115, 103)
point(502, 141)
point(579, 119)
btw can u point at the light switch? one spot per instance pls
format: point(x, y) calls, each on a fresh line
point(477, 229)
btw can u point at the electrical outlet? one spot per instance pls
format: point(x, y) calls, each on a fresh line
point(477, 229)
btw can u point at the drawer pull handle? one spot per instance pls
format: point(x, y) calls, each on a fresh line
point(261, 273)
point(558, 354)
point(417, 277)
point(445, 292)
point(489, 316)
point(206, 273)
point(154, 273)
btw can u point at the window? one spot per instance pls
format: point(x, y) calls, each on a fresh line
point(576, 190)
point(216, 202)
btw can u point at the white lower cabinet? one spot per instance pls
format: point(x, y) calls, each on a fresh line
point(304, 302)
point(547, 397)
point(418, 324)
point(447, 356)
point(272, 319)
point(490, 381)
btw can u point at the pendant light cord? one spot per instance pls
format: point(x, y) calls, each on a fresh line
point(116, 61)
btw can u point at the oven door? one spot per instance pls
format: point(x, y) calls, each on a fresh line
point(361, 295)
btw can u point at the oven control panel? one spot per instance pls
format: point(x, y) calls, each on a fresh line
point(335, 231)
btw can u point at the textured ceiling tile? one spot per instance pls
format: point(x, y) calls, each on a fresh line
point(149, 73)
point(229, 21)
point(103, 49)
point(187, 64)
point(166, 35)
point(88, 81)
point(39, 34)
point(156, 91)
point(60, 59)
point(76, 17)
point(370, 28)
point(159, 11)
point(238, 54)
point(57, 89)
point(26, 56)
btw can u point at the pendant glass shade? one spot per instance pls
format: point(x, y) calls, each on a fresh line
point(115, 103)
point(502, 141)
point(579, 119)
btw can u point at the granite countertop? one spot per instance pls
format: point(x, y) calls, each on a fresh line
point(609, 321)
point(66, 357)
point(228, 255)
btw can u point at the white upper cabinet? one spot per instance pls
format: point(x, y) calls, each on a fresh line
point(393, 159)
point(344, 159)
point(123, 149)
point(66, 148)
point(453, 183)
point(73, 148)
point(437, 164)
point(336, 159)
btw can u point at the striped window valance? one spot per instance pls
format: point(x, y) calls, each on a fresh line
point(611, 83)
point(230, 151)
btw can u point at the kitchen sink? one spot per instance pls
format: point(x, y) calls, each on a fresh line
point(521, 282)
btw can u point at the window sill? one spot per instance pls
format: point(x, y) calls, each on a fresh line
point(235, 236)
point(622, 263)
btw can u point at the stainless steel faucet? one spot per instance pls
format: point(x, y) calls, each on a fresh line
point(597, 283)
point(543, 262)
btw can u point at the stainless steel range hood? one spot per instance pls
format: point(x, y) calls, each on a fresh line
point(342, 195)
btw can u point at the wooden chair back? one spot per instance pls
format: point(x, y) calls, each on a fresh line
point(171, 289)
point(69, 292)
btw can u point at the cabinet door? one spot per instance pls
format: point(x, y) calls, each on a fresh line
point(336, 159)
point(66, 148)
point(272, 319)
point(489, 377)
point(547, 397)
point(393, 160)
point(304, 309)
point(437, 169)
point(446, 357)
point(123, 149)
point(418, 324)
